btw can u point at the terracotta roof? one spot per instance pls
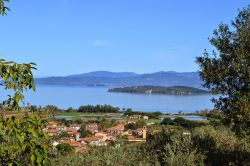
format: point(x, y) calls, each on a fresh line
point(91, 127)
point(93, 138)
point(76, 133)
point(111, 138)
point(101, 133)
point(83, 142)
point(74, 143)
point(131, 137)
point(69, 129)
point(63, 139)
point(118, 127)
point(52, 123)
point(52, 131)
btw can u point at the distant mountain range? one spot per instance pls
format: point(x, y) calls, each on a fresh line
point(115, 79)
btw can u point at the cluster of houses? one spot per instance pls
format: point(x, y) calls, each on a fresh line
point(138, 117)
point(98, 138)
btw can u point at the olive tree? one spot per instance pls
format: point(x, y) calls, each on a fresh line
point(227, 72)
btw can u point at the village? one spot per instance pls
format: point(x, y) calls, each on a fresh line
point(118, 133)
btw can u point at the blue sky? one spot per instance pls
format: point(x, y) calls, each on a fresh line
point(75, 36)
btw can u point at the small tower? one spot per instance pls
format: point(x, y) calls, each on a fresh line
point(144, 134)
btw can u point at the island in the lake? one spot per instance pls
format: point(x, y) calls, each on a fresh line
point(174, 90)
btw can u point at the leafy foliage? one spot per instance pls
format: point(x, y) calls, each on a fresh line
point(152, 115)
point(136, 125)
point(22, 140)
point(62, 134)
point(3, 8)
point(98, 109)
point(188, 123)
point(64, 148)
point(167, 121)
point(173, 148)
point(206, 145)
point(228, 74)
point(18, 77)
point(84, 132)
point(215, 114)
point(105, 124)
point(220, 146)
point(109, 156)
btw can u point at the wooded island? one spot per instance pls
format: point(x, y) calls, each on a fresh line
point(174, 90)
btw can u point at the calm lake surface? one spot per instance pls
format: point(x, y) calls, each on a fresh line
point(64, 97)
point(186, 117)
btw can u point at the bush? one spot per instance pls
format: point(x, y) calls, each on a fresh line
point(173, 148)
point(221, 146)
point(215, 114)
point(64, 148)
point(62, 134)
point(167, 121)
point(109, 156)
point(98, 109)
point(188, 123)
point(23, 141)
point(84, 132)
point(78, 121)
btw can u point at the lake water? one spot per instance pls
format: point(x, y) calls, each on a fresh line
point(186, 117)
point(65, 97)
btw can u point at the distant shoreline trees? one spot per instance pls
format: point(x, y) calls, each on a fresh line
point(98, 109)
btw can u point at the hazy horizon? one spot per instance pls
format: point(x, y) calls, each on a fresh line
point(114, 72)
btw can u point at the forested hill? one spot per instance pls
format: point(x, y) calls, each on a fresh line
point(175, 90)
point(112, 79)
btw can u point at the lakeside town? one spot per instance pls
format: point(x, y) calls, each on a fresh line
point(96, 136)
point(92, 126)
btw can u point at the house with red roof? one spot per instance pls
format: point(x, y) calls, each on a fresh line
point(101, 133)
point(92, 127)
point(52, 132)
point(75, 126)
point(116, 130)
point(52, 124)
point(95, 140)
